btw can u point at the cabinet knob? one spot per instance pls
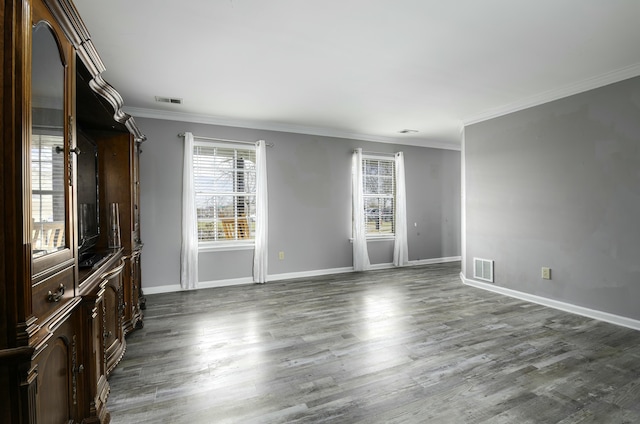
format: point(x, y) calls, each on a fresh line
point(55, 297)
point(76, 150)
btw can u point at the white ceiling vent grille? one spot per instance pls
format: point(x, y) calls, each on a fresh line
point(172, 100)
point(483, 269)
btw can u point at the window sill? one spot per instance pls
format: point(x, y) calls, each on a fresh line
point(381, 238)
point(222, 246)
point(378, 238)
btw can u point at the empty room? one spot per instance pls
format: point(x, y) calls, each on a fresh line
point(243, 211)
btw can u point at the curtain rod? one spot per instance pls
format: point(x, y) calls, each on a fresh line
point(225, 140)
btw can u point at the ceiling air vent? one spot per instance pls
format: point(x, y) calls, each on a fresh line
point(171, 100)
point(483, 269)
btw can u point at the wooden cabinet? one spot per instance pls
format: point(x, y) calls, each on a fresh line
point(67, 297)
point(119, 157)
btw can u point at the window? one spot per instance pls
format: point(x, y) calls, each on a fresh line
point(225, 186)
point(378, 176)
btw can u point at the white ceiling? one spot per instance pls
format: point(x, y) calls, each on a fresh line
point(359, 68)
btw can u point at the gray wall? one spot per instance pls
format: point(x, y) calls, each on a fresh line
point(558, 185)
point(309, 203)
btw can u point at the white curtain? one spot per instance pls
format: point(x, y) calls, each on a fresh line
point(360, 253)
point(260, 253)
point(400, 246)
point(189, 253)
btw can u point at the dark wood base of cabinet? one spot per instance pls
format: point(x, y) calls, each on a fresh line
point(143, 301)
point(114, 356)
point(134, 324)
point(99, 413)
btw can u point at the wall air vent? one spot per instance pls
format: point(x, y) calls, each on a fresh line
point(483, 269)
point(171, 100)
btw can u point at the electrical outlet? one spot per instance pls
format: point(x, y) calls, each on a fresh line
point(281, 255)
point(546, 273)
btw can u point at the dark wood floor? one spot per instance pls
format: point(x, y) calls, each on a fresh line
point(395, 346)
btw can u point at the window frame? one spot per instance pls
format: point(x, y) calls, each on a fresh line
point(224, 244)
point(365, 196)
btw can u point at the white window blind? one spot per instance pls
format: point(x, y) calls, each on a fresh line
point(379, 195)
point(225, 187)
point(47, 192)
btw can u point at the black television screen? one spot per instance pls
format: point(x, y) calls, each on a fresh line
point(88, 226)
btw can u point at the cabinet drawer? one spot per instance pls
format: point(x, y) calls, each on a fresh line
point(52, 292)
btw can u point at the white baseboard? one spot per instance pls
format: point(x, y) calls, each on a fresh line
point(225, 283)
point(169, 288)
point(305, 274)
point(288, 276)
point(436, 260)
point(566, 307)
point(245, 280)
point(419, 262)
point(375, 267)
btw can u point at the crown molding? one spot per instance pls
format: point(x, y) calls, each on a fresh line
point(281, 127)
point(556, 94)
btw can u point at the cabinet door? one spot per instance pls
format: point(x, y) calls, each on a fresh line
point(92, 399)
point(132, 287)
point(50, 142)
point(114, 343)
point(57, 375)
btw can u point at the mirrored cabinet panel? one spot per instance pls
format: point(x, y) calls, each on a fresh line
point(49, 169)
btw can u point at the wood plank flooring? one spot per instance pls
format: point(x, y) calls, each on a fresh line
point(413, 345)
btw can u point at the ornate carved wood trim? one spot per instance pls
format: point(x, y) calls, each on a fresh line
point(15, 169)
point(72, 24)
